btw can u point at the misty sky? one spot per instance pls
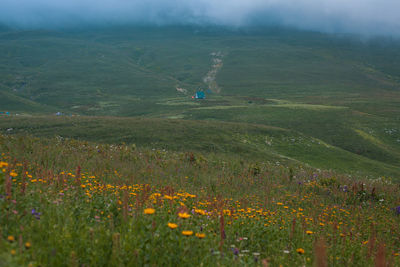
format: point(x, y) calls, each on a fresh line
point(357, 16)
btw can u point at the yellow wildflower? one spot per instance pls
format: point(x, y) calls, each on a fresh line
point(200, 211)
point(11, 238)
point(3, 164)
point(187, 233)
point(149, 211)
point(300, 251)
point(172, 225)
point(184, 215)
point(200, 235)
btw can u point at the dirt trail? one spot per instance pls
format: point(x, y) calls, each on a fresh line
point(210, 78)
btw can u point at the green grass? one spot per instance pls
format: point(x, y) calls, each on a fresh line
point(301, 132)
point(94, 214)
point(85, 68)
point(254, 141)
point(322, 86)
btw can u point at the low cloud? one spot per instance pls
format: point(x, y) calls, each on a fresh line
point(376, 17)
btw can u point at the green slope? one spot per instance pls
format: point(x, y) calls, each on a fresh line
point(10, 102)
point(257, 142)
point(337, 89)
point(89, 67)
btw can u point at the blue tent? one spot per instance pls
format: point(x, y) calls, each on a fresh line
point(200, 95)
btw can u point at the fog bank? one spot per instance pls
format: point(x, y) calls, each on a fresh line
point(372, 17)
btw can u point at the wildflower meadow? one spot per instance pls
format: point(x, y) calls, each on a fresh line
point(75, 203)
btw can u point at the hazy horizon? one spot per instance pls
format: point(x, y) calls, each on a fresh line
point(368, 17)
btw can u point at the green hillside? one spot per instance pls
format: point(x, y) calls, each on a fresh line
point(239, 140)
point(89, 67)
point(340, 90)
point(106, 159)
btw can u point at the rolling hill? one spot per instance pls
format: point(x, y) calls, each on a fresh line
point(340, 91)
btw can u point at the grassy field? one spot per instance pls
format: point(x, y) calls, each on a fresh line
point(72, 203)
point(291, 160)
point(337, 89)
point(254, 141)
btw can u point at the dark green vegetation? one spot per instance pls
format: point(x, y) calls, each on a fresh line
point(338, 90)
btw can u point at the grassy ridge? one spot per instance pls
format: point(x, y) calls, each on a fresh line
point(243, 140)
point(338, 127)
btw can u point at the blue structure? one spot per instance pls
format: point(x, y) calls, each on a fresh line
point(200, 95)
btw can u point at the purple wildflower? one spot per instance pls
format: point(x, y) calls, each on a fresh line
point(398, 210)
point(36, 214)
point(235, 251)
